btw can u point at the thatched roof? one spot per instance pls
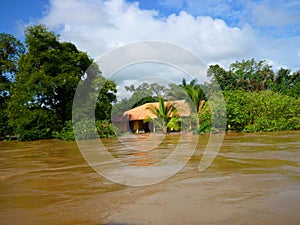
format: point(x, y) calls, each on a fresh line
point(141, 112)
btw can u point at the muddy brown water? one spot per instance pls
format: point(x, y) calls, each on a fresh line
point(255, 179)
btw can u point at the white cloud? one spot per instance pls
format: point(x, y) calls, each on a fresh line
point(97, 26)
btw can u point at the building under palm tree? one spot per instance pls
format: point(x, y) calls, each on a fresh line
point(137, 119)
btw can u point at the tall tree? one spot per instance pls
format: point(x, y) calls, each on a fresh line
point(10, 51)
point(142, 94)
point(146, 90)
point(225, 79)
point(45, 83)
point(252, 75)
point(282, 80)
point(286, 82)
point(195, 93)
point(295, 82)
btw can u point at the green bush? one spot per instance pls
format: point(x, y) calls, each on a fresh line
point(34, 134)
point(34, 124)
point(6, 130)
point(105, 129)
point(261, 111)
point(66, 132)
point(254, 112)
point(204, 120)
point(238, 109)
point(86, 129)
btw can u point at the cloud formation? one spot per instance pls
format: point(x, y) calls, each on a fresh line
point(97, 26)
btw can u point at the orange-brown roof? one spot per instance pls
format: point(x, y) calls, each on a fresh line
point(141, 112)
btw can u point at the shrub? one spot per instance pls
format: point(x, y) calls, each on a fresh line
point(34, 134)
point(66, 132)
point(262, 111)
point(105, 129)
point(86, 129)
point(204, 120)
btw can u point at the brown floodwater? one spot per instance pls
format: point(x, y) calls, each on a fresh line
point(255, 179)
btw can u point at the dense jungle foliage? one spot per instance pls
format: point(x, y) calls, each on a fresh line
point(38, 81)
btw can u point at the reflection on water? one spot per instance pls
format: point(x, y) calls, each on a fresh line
point(255, 179)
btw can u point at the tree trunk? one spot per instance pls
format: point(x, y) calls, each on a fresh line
point(202, 102)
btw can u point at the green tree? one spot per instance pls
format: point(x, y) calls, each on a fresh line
point(45, 84)
point(145, 100)
point(142, 94)
point(261, 111)
point(225, 79)
point(252, 76)
point(145, 93)
point(101, 89)
point(295, 85)
point(287, 83)
point(167, 115)
point(240, 109)
point(282, 81)
point(10, 51)
point(176, 92)
point(195, 94)
point(146, 89)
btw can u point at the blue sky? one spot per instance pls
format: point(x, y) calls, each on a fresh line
point(219, 31)
point(16, 13)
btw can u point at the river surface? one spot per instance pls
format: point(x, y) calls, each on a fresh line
point(255, 179)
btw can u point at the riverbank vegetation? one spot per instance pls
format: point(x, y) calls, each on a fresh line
point(256, 111)
point(257, 98)
point(38, 84)
point(38, 81)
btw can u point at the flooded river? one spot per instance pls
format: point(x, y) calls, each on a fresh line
point(255, 179)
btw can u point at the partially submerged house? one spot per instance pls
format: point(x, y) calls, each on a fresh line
point(133, 120)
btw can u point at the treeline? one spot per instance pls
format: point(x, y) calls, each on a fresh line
point(38, 81)
point(257, 98)
point(250, 76)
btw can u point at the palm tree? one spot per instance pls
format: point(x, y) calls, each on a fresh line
point(167, 115)
point(195, 94)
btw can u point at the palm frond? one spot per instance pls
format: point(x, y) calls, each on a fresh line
point(167, 115)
